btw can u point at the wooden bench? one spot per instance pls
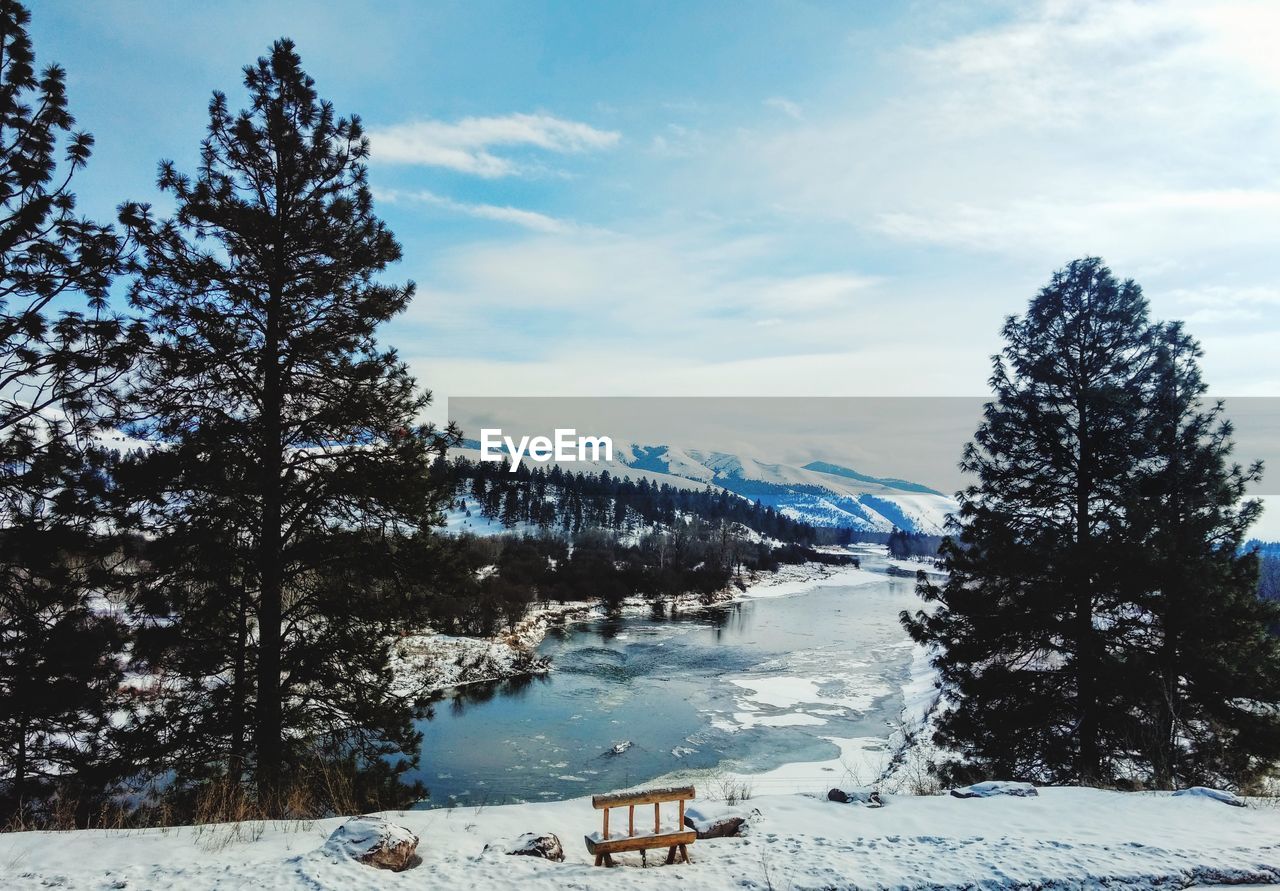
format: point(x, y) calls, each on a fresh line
point(676, 838)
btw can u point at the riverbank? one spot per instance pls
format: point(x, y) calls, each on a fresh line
point(429, 664)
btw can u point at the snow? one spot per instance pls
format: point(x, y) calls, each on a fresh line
point(428, 662)
point(993, 788)
point(360, 836)
point(703, 814)
point(797, 578)
point(1065, 837)
point(1213, 795)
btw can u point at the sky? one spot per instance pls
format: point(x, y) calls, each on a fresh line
point(739, 199)
point(809, 198)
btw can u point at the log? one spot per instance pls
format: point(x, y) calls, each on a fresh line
point(640, 842)
point(641, 796)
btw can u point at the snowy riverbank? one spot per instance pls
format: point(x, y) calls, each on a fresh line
point(429, 663)
point(1064, 838)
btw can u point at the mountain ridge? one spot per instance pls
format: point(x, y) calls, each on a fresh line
point(820, 492)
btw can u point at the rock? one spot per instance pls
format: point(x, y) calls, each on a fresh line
point(377, 842)
point(869, 797)
point(711, 821)
point(1215, 794)
point(533, 845)
point(992, 788)
point(725, 827)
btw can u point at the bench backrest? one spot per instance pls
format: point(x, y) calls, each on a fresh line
point(629, 800)
point(642, 796)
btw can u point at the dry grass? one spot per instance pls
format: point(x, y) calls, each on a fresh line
point(219, 813)
point(728, 788)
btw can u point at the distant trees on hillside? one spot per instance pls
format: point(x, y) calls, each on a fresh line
point(555, 499)
point(498, 578)
point(1268, 569)
point(905, 545)
point(1100, 623)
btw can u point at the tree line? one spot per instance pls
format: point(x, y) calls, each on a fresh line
point(1100, 623)
point(500, 577)
point(552, 498)
point(1268, 568)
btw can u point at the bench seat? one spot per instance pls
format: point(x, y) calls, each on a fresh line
point(639, 841)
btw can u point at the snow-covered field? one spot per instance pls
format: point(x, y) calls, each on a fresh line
point(1063, 838)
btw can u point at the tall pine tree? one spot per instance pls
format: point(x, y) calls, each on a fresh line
point(61, 349)
point(295, 465)
point(1101, 621)
point(1035, 574)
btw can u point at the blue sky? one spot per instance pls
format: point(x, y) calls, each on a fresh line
point(747, 198)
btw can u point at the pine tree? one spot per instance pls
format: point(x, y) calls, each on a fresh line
point(1036, 571)
point(60, 351)
point(295, 467)
point(1204, 666)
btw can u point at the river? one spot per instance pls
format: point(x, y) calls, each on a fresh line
point(746, 686)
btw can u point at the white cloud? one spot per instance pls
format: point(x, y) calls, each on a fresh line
point(1101, 119)
point(1134, 224)
point(469, 145)
point(1143, 132)
point(526, 219)
point(1218, 304)
point(786, 106)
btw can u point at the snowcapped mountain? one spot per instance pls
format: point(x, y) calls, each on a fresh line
point(819, 492)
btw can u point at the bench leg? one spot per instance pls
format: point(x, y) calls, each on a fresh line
point(608, 860)
point(599, 859)
point(684, 852)
point(671, 855)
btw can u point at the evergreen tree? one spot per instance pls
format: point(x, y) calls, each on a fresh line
point(295, 468)
point(1204, 670)
point(60, 350)
point(1026, 623)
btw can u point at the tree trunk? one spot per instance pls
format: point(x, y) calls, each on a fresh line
point(1089, 765)
point(239, 693)
point(20, 771)
point(268, 741)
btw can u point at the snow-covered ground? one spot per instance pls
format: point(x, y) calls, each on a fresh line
point(1062, 838)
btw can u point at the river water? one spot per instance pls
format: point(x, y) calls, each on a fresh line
point(746, 686)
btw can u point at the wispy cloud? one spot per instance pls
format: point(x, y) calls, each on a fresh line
point(469, 145)
point(526, 219)
point(1096, 119)
point(786, 106)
